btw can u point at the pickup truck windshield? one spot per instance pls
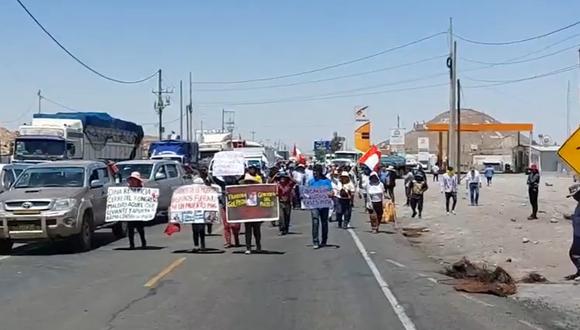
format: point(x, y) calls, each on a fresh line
point(51, 177)
point(39, 147)
point(144, 169)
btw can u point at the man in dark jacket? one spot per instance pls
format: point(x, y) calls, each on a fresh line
point(533, 189)
point(575, 248)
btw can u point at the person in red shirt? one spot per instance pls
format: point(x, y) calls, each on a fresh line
point(285, 195)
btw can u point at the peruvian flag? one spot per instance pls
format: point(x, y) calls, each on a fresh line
point(297, 154)
point(371, 158)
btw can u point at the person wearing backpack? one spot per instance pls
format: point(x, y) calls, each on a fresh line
point(418, 188)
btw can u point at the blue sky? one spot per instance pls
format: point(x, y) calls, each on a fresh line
point(236, 40)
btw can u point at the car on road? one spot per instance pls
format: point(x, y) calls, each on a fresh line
point(57, 200)
point(165, 175)
point(9, 173)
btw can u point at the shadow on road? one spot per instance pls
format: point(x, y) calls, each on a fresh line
point(47, 248)
point(149, 247)
point(199, 251)
point(260, 252)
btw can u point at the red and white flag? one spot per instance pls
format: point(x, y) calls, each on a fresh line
point(297, 154)
point(371, 158)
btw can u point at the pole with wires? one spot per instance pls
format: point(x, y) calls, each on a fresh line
point(458, 131)
point(451, 65)
point(160, 104)
point(191, 131)
point(39, 101)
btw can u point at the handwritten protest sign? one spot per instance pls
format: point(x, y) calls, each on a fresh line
point(131, 204)
point(251, 203)
point(315, 198)
point(195, 203)
point(228, 163)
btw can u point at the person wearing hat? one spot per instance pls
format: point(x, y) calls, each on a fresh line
point(198, 229)
point(344, 191)
point(134, 181)
point(375, 196)
point(299, 177)
point(418, 187)
point(285, 194)
point(575, 248)
point(254, 227)
point(255, 175)
point(391, 182)
point(533, 190)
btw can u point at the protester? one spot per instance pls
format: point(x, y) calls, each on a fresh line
point(375, 192)
point(409, 177)
point(473, 183)
point(198, 228)
point(418, 170)
point(335, 181)
point(254, 227)
point(533, 190)
point(298, 177)
point(254, 174)
point(308, 174)
point(230, 229)
point(320, 216)
point(135, 181)
point(435, 169)
point(285, 191)
point(449, 187)
point(418, 188)
point(489, 172)
point(364, 181)
point(391, 182)
point(344, 192)
point(575, 248)
point(204, 175)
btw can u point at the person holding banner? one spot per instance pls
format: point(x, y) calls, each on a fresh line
point(255, 227)
point(230, 229)
point(285, 193)
point(320, 215)
point(135, 181)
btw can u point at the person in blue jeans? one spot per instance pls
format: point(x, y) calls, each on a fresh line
point(320, 216)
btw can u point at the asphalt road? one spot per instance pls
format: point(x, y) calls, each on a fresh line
point(362, 281)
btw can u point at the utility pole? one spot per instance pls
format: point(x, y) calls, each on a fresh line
point(253, 135)
point(39, 101)
point(181, 109)
point(160, 104)
point(452, 133)
point(458, 131)
point(398, 121)
point(223, 120)
point(191, 130)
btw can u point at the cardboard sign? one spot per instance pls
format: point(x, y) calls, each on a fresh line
point(228, 163)
point(251, 203)
point(315, 198)
point(195, 203)
point(131, 204)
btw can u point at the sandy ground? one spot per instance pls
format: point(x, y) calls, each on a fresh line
point(497, 232)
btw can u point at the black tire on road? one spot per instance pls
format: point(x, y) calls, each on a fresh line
point(5, 247)
point(84, 240)
point(120, 230)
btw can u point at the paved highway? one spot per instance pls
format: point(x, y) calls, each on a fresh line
point(363, 281)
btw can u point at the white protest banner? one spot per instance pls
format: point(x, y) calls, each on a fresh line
point(195, 203)
point(315, 198)
point(131, 204)
point(228, 163)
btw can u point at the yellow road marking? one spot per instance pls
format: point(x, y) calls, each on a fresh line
point(171, 267)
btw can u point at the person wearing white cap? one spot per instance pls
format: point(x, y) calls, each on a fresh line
point(344, 191)
point(374, 205)
point(135, 181)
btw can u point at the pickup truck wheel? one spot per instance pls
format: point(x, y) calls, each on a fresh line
point(120, 230)
point(84, 240)
point(5, 247)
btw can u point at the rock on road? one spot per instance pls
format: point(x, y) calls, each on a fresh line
point(292, 287)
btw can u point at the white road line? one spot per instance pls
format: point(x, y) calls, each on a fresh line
point(4, 258)
point(530, 325)
point(466, 296)
point(398, 264)
point(397, 308)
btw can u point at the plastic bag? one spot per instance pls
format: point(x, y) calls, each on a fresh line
point(389, 212)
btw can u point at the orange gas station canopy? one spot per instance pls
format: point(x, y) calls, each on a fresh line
point(483, 127)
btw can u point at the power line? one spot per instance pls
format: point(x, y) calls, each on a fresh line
point(324, 68)
point(512, 81)
point(357, 74)
point(293, 100)
point(521, 61)
point(504, 43)
point(59, 104)
point(86, 66)
point(355, 89)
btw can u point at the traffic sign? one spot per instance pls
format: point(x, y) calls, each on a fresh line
point(322, 145)
point(570, 151)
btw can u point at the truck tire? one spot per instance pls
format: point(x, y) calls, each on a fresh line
point(120, 230)
point(83, 241)
point(5, 247)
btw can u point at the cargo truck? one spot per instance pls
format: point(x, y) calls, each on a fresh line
point(77, 135)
